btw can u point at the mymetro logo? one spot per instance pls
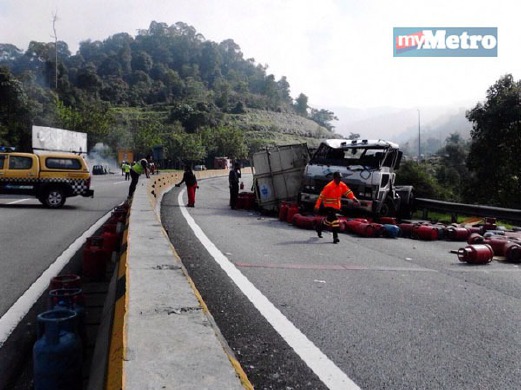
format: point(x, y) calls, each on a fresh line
point(445, 41)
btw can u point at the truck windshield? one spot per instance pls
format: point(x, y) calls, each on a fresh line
point(367, 158)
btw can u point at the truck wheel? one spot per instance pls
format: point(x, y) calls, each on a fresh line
point(388, 209)
point(53, 198)
point(407, 210)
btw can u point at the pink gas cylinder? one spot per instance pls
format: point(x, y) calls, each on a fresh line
point(476, 254)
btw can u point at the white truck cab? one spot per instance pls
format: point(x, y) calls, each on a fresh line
point(367, 167)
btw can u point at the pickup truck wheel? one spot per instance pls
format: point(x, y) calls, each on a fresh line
point(53, 198)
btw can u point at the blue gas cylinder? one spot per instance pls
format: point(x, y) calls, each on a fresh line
point(72, 299)
point(57, 354)
point(391, 231)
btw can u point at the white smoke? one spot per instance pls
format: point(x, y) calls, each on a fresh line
point(103, 155)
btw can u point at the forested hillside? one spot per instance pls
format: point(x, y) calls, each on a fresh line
point(166, 86)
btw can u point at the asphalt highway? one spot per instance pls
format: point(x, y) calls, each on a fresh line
point(386, 313)
point(32, 237)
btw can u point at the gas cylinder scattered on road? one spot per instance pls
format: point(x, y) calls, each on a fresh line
point(476, 254)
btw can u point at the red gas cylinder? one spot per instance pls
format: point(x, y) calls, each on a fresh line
point(513, 252)
point(457, 233)
point(351, 224)
point(95, 259)
point(406, 229)
point(368, 229)
point(475, 238)
point(110, 237)
point(65, 281)
point(118, 215)
point(241, 202)
point(342, 220)
point(292, 210)
point(304, 221)
point(424, 232)
point(476, 229)
point(249, 200)
point(387, 221)
point(442, 230)
point(497, 243)
point(476, 254)
point(283, 211)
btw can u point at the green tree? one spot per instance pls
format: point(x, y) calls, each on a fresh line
point(224, 141)
point(301, 105)
point(323, 117)
point(452, 172)
point(493, 158)
point(16, 112)
point(417, 175)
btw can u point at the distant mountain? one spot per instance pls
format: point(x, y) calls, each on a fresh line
point(401, 124)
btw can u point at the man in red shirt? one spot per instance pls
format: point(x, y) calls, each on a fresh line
point(330, 197)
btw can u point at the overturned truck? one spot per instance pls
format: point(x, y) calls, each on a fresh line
point(278, 174)
point(368, 168)
point(290, 173)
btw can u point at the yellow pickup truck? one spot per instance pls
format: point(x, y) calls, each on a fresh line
point(50, 177)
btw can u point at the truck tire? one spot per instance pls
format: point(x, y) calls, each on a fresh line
point(388, 209)
point(53, 198)
point(406, 210)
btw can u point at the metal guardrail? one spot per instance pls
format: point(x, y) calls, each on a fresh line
point(455, 209)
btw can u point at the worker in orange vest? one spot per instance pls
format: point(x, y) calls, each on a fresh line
point(330, 198)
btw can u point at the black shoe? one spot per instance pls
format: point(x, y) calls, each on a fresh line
point(319, 232)
point(336, 240)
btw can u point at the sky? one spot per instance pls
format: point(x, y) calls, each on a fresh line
point(339, 53)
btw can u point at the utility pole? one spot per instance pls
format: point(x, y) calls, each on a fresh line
point(419, 143)
point(54, 19)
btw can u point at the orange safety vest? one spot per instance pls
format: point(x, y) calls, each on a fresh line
point(332, 193)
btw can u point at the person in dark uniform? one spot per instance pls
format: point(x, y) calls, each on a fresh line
point(233, 180)
point(191, 185)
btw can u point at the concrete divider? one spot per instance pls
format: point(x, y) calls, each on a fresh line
point(162, 334)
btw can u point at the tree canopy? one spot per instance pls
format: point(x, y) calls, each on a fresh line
point(170, 74)
point(493, 158)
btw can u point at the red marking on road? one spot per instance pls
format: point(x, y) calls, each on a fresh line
point(329, 267)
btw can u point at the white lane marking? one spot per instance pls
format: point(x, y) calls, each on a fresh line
point(328, 372)
point(21, 307)
point(18, 201)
